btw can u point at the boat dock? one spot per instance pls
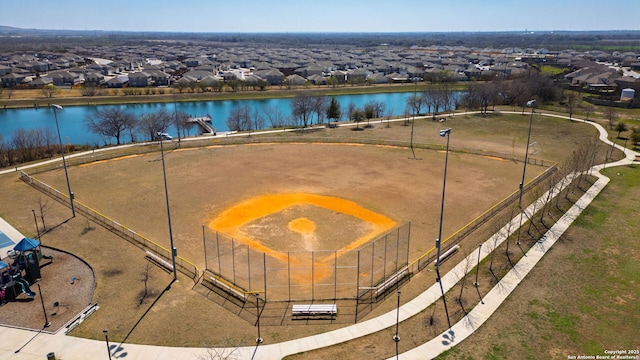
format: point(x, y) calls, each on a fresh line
point(204, 122)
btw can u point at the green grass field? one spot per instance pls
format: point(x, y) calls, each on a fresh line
point(592, 301)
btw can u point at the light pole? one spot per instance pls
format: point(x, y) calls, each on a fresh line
point(46, 319)
point(106, 338)
point(64, 162)
point(532, 105)
point(443, 133)
point(166, 194)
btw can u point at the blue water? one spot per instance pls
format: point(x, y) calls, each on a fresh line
point(73, 131)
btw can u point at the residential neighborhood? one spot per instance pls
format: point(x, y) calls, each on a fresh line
point(188, 66)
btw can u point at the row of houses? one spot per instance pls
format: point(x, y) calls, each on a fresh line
point(167, 64)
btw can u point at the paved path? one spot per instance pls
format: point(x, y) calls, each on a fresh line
point(25, 344)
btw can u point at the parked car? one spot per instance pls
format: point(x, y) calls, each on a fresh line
point(163, 136)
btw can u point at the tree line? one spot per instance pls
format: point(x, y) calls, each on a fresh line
point(305, 109)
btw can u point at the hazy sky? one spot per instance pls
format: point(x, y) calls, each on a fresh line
point(322, 16)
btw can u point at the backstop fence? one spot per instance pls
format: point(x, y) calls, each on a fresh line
point(239, 269)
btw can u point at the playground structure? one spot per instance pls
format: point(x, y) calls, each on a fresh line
point(21, 269)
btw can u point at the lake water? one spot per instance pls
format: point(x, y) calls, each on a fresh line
point(73, 130)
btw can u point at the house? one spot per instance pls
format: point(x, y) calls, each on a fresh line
point(294, 80)
point(198, 74)
point(159, 77)
point(40, 82)
point(317, 80)
point(139, 79)
point(358, 75)
point(4, 70)
point(93, 78)
point(272, 76)
point(65, 78)
point(12, 79)
point(118, 81)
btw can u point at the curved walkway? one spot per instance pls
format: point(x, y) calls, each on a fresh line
point(25, 344)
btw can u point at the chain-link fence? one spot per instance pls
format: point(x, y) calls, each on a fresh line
point(158, 252)
point(307, 275)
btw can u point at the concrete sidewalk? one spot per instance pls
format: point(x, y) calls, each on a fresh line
point(27, 344)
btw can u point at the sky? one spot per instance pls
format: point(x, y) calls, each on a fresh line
point(322, 16)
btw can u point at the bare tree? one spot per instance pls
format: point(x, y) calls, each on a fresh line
point(571, 102)
point(154, 123)
point(589, 109)
point(302, 105)
point(146, 276)
point(110, 122)
point(180, 120)
point(240, 119)
point(275, 116)
point(415, 103)
point(319, 106)
point(467, 265)
point(42, 205)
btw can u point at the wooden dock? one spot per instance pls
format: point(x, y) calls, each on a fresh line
point(204, 122)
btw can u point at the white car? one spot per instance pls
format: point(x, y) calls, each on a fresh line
point(163, 136)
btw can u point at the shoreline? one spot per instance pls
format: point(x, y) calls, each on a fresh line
point(68, 97)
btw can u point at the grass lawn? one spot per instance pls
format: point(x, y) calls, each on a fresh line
point(592, 301)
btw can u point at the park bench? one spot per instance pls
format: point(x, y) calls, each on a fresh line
point(380, 289)
point(228, 288)
point(314, 310)
point(445, 255)
point(159, 261)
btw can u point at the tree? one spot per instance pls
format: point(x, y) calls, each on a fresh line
point(319, 105)
point(333, 111)
point(369, 112)
point(49, 90)
point(571, 102)
point(611, 114)
point(110, 122)
point(181, 121)
point(635, 136)
point(351, 108)
point(415, 103)
point(275, 116)
point(153, 123)
point(358, 115)
point(240, 119)
point(302, 105)
point(620, 127)
point(589, 109)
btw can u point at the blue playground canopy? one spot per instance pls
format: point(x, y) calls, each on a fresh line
point(3, 265)
point(4, 240)
point(26, 244)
